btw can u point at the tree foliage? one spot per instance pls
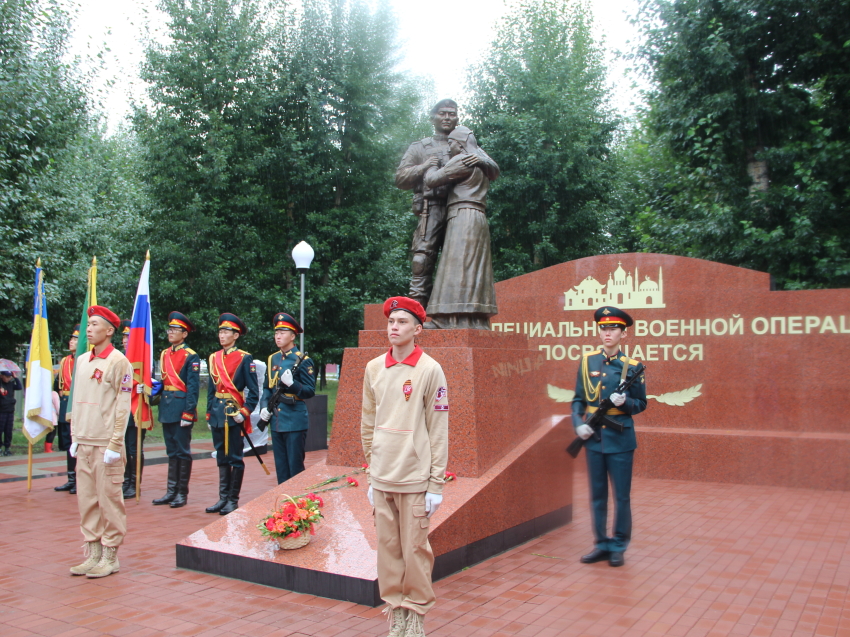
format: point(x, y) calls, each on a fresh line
point(66, 193)
point(744, 153)
point(267, 127)
point(539, 108)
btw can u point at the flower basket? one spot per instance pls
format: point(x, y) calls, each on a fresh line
point(294, 542)
point(292, 523)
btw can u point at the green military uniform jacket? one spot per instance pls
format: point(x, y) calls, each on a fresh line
point(598, 377)
point(245, 377)
point(289, 417)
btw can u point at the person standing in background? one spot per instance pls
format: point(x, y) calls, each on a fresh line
point(9, 384)
point(62, 386)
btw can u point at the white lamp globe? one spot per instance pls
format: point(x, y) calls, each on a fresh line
point(303, 255)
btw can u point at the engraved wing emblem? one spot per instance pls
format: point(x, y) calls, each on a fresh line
point(679, 398)
point(673, 398)
point(560, 395)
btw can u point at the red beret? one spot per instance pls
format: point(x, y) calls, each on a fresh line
point(105, 313)
point(406, 304)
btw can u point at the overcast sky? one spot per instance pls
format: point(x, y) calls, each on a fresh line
point(424, 29)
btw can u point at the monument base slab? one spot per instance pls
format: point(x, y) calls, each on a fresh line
point(526, 493)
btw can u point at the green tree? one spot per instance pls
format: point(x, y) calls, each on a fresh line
point(267, 127)
point(748, 136)
point(66, 192)
point(539, 109)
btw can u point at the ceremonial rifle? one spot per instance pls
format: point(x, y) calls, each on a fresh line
point(598, 418)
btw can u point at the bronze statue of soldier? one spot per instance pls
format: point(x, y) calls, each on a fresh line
point(429, 204)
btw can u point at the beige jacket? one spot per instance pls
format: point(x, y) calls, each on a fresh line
point(405, 424)
point(101, 392)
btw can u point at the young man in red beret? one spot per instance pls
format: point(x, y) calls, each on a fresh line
point(405, 420)
point(103, 382)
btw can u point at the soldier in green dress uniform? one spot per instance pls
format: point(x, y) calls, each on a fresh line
point(289, 422)
point(232, 371)
point(600, 372)
point(180, 367)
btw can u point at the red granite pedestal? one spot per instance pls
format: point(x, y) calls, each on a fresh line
point(515, 480)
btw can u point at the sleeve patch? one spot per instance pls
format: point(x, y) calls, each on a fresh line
point(442, 392)
point(126, 378)
point(253, 368)
point(440, 407)
point(196, 367)
point(127, 389)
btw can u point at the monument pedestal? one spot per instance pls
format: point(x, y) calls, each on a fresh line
point(514, 478)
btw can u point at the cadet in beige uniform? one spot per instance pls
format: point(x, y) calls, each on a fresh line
point(103, 382)
point(404, 431)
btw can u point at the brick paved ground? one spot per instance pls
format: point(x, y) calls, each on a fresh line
point(707, 559)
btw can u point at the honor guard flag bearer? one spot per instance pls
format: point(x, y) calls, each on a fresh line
point(38, 401)
point(140, 355)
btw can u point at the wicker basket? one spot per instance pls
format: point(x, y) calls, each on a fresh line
point(294, 542)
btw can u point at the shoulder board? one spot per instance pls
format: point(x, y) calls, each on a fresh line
point(243, 352)
point(296, 352)
point(427, 141)
point(190, 351)
point(596, 351)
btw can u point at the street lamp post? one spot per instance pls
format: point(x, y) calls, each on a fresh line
point(303, 255)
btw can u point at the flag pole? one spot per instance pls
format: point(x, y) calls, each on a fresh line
point(139, 451)
point(29, 467)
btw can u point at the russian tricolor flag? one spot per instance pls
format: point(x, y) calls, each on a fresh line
point(140, 348)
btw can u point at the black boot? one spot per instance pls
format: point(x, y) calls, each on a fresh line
point(171, 487)
point(235, 488)
point(224, 475)
point(183, 484)
point(129, 488)
point(71, 485)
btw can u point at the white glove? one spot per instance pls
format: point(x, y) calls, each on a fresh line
point(209, 426)
point(185, 423)
point(110, 456)
point(140, 389)
point(432, 503)
point(618, 399)
point(265, 414)
point(584, 431)
point(286, 378)
point(73, 450)
point(239, 418)
point(370, 496)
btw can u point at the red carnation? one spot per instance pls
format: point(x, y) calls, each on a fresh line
point(353, 482)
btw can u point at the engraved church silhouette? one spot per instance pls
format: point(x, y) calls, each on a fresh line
point(622, 290)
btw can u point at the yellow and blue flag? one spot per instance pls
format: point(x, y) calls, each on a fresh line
point(38, 403)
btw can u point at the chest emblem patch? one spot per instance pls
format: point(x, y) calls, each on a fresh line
point(407, 388)
point(98, 375)
point(595, 373)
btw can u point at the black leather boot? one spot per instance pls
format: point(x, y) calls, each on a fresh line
point(171, 484)
point(183, 484)
point(235, 488)
point(224, 475)
point(71, 485)
point(129, 488)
